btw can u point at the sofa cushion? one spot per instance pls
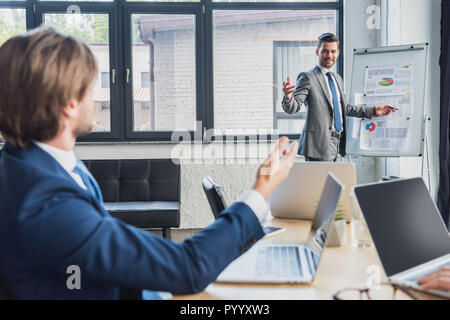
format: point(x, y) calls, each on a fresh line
point(146, 214)
point(137, 180)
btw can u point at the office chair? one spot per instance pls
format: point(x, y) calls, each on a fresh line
point(218, 201)
point(216, 196)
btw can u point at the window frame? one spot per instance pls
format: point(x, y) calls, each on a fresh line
point(325, 6)
point(120, 11)
point(283, 115)
point(46, 7)
point(187, 8)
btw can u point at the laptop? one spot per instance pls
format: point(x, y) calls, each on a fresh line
point(407, 230)
point(289, 263)
point(297, 197)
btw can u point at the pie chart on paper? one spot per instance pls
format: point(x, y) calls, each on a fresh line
point(386, 82)
point(371, 127)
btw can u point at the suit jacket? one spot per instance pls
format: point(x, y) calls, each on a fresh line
point(316, 140)
point(47, 223)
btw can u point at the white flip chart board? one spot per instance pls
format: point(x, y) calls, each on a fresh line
point(395, 76)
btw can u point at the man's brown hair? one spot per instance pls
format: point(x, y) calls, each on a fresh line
point(327, 37)
point(40, 72)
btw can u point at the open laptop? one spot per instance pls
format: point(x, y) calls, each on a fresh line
point(407, 230)
point(297, 197)
point(289, 263)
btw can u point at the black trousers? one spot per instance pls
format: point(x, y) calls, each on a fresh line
point(309, 159)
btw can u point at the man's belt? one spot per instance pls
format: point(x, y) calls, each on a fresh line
point(336, 135)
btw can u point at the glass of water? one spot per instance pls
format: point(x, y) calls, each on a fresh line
point(359, 232)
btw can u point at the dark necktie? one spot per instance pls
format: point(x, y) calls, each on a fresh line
point(88, 180)
point(337, 114)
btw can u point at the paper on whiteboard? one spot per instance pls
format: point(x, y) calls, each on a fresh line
point(404, 103)
point(384, 133)
point(389, 80)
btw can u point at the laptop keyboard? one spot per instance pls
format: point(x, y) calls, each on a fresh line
point(278, 262)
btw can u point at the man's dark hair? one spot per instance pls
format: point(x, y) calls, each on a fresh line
point(327, 37)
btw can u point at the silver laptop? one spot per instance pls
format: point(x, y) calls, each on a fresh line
point(297, 197)
point(289, 263)
point(407, 230)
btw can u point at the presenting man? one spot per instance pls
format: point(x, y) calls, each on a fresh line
point(321, 90)
point(52, 220)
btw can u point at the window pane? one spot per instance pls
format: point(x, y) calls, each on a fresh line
point(92, 29)
point(163, 48)
point(166, 0)
point(291, 126)
point(145, 79)
point(105, 79)
point(274, 0)
point(12, 22)
point(253, 52)
point(289, 58)
point(78, 0)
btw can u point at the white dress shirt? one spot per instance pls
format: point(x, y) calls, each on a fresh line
point(325, 71)
point(258, 204)
point(66, 159)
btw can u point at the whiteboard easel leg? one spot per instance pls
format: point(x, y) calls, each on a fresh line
point(427, 154)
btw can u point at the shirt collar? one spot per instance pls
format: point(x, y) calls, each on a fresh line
point(323, 69)
point(66, 159)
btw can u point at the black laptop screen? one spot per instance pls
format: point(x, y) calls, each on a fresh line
point(404, 223)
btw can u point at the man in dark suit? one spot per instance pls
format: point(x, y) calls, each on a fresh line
point(322, 91)
point(52, 222)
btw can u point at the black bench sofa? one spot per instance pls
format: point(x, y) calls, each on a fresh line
point(143, 193)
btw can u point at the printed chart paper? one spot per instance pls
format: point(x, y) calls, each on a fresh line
point(389, 80)
point(386, 85)
point(382, 133)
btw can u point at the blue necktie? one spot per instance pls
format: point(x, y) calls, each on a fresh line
point(88, 180)
point(337, 113)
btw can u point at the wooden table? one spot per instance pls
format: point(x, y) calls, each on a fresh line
point(340, 267)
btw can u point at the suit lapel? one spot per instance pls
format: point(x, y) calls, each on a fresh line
point(323, 84)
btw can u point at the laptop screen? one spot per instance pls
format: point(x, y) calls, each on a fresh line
point(323, 219)
point(404, 223)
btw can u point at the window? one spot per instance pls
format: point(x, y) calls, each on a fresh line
point(289, 59)
point(164, 47)
point(93, 29)
point(105, 79)
point(145, 79)
point(12, 22)
point(250, 65)
point(188, 65)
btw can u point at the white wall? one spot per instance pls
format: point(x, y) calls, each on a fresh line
point(418, 21)
point(356, 36)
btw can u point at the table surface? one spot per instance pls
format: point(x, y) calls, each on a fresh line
point(340, 267)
